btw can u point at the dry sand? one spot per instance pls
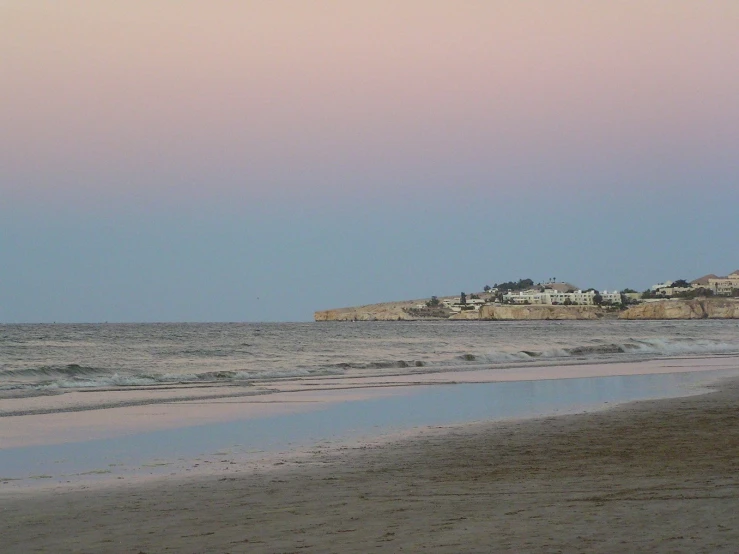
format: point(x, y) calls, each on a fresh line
point(653, 476)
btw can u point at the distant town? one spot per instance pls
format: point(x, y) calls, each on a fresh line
point(553, 293)
point(708, 297)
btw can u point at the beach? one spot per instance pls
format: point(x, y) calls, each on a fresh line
point(608, 436)
point(211, 212)
point(649, 476)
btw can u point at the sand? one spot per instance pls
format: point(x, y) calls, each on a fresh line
point(89, 414)
point(652, 476)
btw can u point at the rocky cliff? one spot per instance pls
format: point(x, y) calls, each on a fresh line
point(701, 308)
point(388, 311)
point(504, 313)
point(471, 314)
point(404, 311)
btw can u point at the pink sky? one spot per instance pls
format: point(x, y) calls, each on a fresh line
point(294, 92)
point(171, 160)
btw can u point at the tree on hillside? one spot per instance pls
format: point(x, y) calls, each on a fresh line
point(463, 298)
point(521, 284)
point(433, 302)
point(681, 283)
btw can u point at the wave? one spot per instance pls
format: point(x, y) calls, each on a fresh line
point(397, 364)
point(69, 370)
point(682, 346)
point(595, 350)
point(73, 376)
point(653, 347)
point(51, 378)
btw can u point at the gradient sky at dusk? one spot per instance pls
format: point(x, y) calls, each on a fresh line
point(175, 160)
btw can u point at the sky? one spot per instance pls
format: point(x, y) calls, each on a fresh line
point(184, 160)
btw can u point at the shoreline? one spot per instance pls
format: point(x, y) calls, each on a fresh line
point(653, 475)
point(72, 449)
point(114, 415)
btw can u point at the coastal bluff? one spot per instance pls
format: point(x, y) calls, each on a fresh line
point(539, 313)
point(387, 311)
point(404, 311)
point(700, 308)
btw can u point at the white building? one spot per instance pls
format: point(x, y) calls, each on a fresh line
point(672, 291)
point(665, 285)
point(725, 286)
point(611, 297)
point(552, 297)
point(719, 285)
point(456, 306)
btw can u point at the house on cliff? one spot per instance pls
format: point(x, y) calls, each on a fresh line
point(725, 286)
point(702, 282)
point(722, 286)
point(456, 306)
point(551, 297)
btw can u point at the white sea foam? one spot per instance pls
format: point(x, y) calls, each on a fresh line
point(684, 346)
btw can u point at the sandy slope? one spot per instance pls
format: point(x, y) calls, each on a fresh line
point(657, 476)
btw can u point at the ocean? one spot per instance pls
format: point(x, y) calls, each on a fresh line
point(54, 359)
point(110, 401)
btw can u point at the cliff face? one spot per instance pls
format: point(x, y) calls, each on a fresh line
point(705, 308)
point(389, 311)
point(399, 311)
point(471, 314)
point(506, 313)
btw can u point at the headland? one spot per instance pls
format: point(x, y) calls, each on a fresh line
point(700, 308)
point(708, 297)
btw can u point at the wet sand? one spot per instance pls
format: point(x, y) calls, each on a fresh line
point(652, 476)
point(89, 414)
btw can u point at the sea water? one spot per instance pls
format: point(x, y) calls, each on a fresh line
point(53, 359)
point(181, 449)
point(40, 365)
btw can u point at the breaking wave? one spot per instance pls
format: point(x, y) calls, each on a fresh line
point(397, 364)
point(633, 348)
point(70, 370)
point(48, 379)
point(686, 346)
point(74, 376)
